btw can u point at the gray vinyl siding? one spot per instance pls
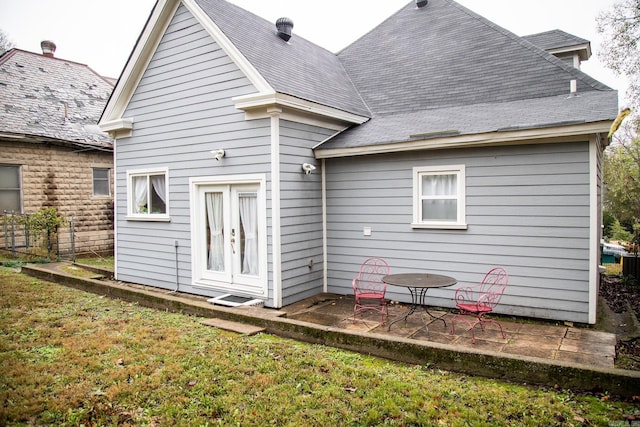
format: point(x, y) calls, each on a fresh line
point(527, 209)
point(301, 211)
point(182, 109)
point(599, 203)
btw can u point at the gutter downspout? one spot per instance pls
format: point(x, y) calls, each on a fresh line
point(325, 264)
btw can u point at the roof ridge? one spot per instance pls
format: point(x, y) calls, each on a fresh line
point(558, 30)
point(13, 51)
point(580, 75)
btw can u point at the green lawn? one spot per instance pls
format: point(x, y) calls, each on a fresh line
point(103, 262)
point(74, 358)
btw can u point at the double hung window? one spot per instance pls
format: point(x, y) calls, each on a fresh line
point(439, 197)
point(10, 189)
point(101, 182)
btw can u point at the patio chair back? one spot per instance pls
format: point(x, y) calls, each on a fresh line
point(369, 289)
point(489, 291)
point(480, 300)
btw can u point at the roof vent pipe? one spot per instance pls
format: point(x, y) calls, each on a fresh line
point(48, 48)
point(284, 26)
point(573, 86)
point(421, 3)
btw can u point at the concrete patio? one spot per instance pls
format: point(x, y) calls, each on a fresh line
point(546, 340)
point(542, 353)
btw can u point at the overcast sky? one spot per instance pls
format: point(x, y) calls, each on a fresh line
point(102, 33)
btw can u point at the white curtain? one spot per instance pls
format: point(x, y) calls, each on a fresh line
point(249, 218)
point(160, 187)
point(439, 185)
point(139, 193)
point(216, 241)
point(440, 204)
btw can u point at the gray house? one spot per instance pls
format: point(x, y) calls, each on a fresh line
point(252, 162)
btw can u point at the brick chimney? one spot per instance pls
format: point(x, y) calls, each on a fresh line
point(48, 48)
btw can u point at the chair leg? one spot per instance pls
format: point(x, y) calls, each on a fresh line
point(382, 309)
point(484, 320)
point(462, 316)
point(384, 312)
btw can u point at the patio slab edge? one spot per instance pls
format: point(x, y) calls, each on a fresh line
point(521, 369)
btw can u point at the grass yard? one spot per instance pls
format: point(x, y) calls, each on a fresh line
point(102, 262)
point(74, 358)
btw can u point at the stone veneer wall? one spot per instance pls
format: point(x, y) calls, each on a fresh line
point(61, 176)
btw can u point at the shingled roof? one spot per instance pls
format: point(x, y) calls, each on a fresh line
point(555, 39)
point(298, 68)
point(46, 98)
point(439, 70)
point(443, 69)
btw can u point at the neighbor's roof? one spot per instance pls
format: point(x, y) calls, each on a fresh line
point(51, 98)
point(443, 68)
point(298, 68)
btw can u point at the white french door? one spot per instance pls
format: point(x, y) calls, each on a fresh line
point(228, 237)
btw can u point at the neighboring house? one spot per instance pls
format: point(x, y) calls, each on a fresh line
point(52, 153)
point(438, 141)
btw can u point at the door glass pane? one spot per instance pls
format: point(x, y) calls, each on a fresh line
point(215, 231)
point(248, 205)
point(439, 210)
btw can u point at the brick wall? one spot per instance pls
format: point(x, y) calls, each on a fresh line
point(62, 177)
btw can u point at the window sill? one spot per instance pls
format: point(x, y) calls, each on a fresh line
point(440, 226)
point(152, 218)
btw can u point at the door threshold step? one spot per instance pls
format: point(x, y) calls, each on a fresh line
point(228, 325)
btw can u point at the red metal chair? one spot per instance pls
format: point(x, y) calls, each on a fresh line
point(369, 289)
point(480, 300)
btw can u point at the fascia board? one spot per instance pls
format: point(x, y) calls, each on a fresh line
point(584, 50)
point(254, 103)
point(530, 136)
point(139, 61)
point(229, 48)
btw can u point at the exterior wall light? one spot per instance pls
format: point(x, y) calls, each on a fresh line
point(217, 154)
point(308, 168)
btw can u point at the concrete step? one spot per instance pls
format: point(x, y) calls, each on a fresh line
point(237, 327)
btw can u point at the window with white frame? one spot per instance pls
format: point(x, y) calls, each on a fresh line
point(10, 189)
point(439, 197)
point(101, 185)
point(147, 195)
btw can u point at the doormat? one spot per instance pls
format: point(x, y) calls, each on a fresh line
point(236, 301)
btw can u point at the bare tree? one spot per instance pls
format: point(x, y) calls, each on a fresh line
point(5, 42)
point(620, 50)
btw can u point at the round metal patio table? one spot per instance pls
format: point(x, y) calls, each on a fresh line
point(418, 285)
